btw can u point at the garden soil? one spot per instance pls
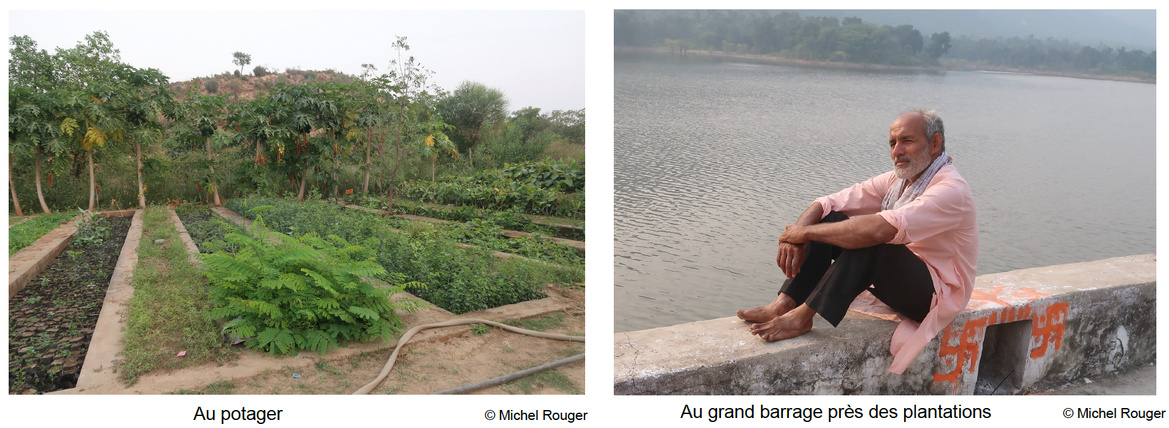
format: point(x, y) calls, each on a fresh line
point(52, 320)
point(433, 365)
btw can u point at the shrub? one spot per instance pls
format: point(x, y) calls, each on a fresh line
point(235, 86)
point(211, 86)
point(511, 146)
point(92, 229)
point(306, 293)
point(236, 73)
point(260, 71)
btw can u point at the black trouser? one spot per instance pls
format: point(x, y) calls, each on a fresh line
point(898, 277)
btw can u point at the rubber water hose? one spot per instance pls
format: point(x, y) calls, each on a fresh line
point(508, 378)
point(411, 332)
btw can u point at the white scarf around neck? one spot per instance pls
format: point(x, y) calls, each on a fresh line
point(900, 194)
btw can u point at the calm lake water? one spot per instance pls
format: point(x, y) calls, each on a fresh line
point(714, 158)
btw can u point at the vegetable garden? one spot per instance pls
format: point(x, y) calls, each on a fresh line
point(332, 175)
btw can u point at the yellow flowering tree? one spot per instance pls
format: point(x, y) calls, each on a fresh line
point(435, 145)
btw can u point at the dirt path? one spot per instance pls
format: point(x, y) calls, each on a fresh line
point(438, 365)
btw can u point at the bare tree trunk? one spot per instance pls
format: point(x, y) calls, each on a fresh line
point(365, 182)
point(303, 180)
point(92, 183)
point(336, 166)
point(433, 161)
point(258, 155)
point(214, 186)
point(12, 186)
point(40, 195)
point(141, 191)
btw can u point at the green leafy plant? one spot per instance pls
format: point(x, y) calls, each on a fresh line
point(301, 293)
point(458, 279)
point(92, 229)
point(548, 187)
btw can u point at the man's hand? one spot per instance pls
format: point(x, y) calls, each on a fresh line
point(790, 257)
point(794, 234)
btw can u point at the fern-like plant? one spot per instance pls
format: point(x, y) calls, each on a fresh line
point(305, 293)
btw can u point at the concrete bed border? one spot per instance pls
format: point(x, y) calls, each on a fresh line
point(27, 263)
point(1020, 329)
point(98, 374)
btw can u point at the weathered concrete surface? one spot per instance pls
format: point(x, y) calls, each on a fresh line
point(31, 260)
point(1054, 323)
point(232, 216)
point(189, 243)
point(106, 342)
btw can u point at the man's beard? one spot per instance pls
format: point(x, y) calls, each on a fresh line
point(916, 165)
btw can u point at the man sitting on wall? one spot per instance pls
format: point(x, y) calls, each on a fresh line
point(908, 236)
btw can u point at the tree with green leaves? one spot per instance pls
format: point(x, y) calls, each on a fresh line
point(939, 45)
point(144, 100)
point(473, 108)
point(570, 124)
point(241, 59)
point(334, 116)
point(369, 109)
point(437, 144)
point(530, 122)
point(199, 120)
point(255, 122)
point(410, 97)
point(33, 127)
point(87, 75)
point(302, 109)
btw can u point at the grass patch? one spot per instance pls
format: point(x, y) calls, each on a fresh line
point(167, 313)
point(548, 378)
point(218, 388)
point(543, 323)
point(324, 366)
point(564, 149)
point(24, 234)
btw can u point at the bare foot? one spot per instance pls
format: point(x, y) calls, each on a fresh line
point(776, 308)
point(792, 324)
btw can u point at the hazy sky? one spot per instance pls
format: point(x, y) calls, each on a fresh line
point(535, 58)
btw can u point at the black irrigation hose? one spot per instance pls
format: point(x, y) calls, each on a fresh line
point(508, 378)
point(410, 333)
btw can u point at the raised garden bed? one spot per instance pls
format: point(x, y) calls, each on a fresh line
point(551, 226)
point(51, 321)
point(486, 233)
point(207, 230)
point(458, 279)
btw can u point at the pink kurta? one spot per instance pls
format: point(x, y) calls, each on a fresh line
point(941, 229)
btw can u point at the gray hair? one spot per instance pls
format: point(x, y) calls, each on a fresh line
point(933, 126)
